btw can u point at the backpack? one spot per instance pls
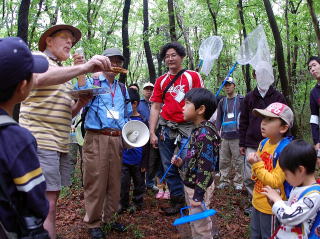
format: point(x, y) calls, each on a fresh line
point(283, 143)
point(97, 82)
point(315, 229)
point(29, 227)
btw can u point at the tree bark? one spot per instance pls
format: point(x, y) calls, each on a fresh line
point(23, 34)
point(159, 60)
point(147, 49)
point(315, 22)
point(246, 68)
point(214, 15)
point(185, 33)
point(35, 22)
point(125, 38)
point(286, 88)
point(92, 13)
point(23, 20)
point(172, 24)
point(52, 16)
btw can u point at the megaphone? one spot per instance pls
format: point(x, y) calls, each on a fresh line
point(135, 134)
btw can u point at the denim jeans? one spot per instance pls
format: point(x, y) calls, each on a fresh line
point(167, 150)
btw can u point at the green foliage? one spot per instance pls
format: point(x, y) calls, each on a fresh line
point(100, 23)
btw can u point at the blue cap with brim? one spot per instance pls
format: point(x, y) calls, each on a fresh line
point(17, 62)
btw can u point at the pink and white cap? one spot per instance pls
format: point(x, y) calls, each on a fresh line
point(276, 110)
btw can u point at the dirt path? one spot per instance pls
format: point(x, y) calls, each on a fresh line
point(150, 223)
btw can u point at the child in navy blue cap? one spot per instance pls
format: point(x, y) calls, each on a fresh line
point(23, 205)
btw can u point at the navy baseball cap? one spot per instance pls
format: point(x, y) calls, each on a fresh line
point(17, 62)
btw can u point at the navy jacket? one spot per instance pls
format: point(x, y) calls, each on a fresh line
point(20, 170)
point(314, 108)
point(250, 125)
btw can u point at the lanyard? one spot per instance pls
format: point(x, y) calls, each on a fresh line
point(227, 110)
point(112, 93)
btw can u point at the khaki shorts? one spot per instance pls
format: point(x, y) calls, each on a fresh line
point(57, 168)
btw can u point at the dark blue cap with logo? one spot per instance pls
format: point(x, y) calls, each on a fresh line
point(17, 62)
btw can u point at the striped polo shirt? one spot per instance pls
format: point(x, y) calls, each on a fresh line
point(47, 114)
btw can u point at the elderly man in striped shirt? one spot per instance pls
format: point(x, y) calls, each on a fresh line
point(48, 111)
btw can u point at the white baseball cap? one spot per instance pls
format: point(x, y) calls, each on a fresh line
point(148, 84)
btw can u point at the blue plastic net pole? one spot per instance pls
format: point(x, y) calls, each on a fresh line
point(180, 151)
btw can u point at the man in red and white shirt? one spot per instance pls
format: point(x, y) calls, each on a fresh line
point(173, 131)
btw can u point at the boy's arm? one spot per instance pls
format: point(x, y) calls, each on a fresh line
point(219, 115)
point(30, 182)
point(299, 212)
point(205, 161)
point(274, 179)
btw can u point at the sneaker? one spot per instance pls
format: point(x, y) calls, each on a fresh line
point(160, 194)
point(153, 188)
point(222, 185)
point(238, 187)
point(118, 227)
point(166, 195)
point(248, 211)
point(96, 233)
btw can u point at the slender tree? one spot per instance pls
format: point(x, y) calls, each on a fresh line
point(286, 88)
point(185, 33)
point(315, 22)
point(125, 38)
point(172, 24)
point(214, 15)
point(147, 49)
point(23, 20)
point(246, 68)
point(35, 22)
point(22, 33)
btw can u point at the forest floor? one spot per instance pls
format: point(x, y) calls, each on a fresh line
point(150, 223)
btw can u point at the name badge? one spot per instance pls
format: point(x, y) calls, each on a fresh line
point(180, 96)
point(113, 114)
point(230, 115)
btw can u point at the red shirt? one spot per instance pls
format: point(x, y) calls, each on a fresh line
point(172, 108)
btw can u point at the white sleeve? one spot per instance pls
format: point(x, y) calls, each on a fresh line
point(304, 209)
point(314, 119)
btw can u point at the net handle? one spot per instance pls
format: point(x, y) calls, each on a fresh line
point(224, 81)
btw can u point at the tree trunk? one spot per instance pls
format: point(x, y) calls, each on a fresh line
point(89, 20)
point(315, 22)
point(246, 68)
point(159, 60)
point(214, 15)
point(35, 22)
point(147, 49)
point(3, 9)
point(185, 33)
point(23, 20)
point(294, 10)
point(125, 38)
point(286, 88)
point(286, 12)
point(23, 34)
point(172, 24)
point(52, 16)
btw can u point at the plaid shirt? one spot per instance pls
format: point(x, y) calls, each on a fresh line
point(201, 159)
